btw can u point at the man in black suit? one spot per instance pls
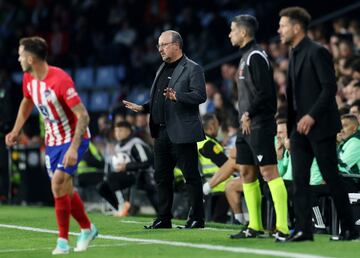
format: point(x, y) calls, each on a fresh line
point(177, 91)
point(313, 122)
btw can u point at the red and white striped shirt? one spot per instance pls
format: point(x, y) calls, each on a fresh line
point(54, 97)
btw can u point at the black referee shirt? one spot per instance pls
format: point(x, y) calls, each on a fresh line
point(158, 105)
point(263, 103)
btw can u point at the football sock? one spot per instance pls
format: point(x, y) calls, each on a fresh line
point(279, 196)
point(78, 211)
point(252, 196)
point(240, 218)
point(62, 211)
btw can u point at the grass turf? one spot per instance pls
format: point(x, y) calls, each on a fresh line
point(19, 243)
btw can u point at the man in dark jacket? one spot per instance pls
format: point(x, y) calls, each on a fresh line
point(313, 122)
point(177, 91)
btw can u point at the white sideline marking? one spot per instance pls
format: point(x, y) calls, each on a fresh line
point(181, 244)
point(175, 225)
point(50, 248)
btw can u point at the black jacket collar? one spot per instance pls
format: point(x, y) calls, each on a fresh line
point(302, 44)
point(248, 45)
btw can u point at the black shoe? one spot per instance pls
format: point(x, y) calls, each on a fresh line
point(300, 236)
point(191, 224)
point(247, 233)
point(159, 223)
point(346, 235)
point(280, 236)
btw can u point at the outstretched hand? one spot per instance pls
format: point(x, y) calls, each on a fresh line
point(134, 107)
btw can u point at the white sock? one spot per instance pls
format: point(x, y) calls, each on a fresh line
point(240, 217)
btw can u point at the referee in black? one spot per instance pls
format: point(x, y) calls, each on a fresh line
point(255, 141)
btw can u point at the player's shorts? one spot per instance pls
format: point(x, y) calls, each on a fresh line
point(258, 148)
point(54, 156)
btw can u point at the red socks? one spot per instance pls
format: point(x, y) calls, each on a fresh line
point(62, 211)
point(64, 206)
point(78, 212)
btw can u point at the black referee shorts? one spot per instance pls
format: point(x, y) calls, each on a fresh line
point(258, 148)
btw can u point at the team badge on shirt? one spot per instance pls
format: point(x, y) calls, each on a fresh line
point(70, 93)
point(47, 94)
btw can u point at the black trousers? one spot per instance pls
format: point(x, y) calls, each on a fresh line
point(124, 180)
point(185, 156)
point(303, 151)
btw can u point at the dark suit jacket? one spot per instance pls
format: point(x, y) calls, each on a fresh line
point(315, 89)
point(182, 117)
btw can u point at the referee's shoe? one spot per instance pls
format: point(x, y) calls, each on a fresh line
point(247, 233)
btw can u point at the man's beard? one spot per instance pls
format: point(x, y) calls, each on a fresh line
point(27, 69)
point(166, 59)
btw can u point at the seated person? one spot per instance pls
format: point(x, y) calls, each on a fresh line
point(211, 158)
point(355, 109)
point(349, 151)
point(135, 169)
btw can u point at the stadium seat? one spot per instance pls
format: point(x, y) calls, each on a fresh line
point(99, 101)
point(139, 95)
point(106, 77)
point(120, 72)
point(84, 78)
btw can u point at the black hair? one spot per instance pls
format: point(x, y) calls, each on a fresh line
point(207, 118)
point(350, 117)
point(124, 124)
point(297, 15)
point(356, 103)
point(249, 22)
point(35, 45)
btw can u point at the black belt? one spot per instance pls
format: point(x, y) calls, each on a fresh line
point(162, 125)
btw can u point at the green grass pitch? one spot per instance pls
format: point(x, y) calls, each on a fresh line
point(126, 237)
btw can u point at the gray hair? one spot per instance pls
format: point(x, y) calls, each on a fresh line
point(176, 38)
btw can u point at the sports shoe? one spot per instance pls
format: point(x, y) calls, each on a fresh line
point(85, 237)
point(62, 247)
point(247, 233)
point(280, 236)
